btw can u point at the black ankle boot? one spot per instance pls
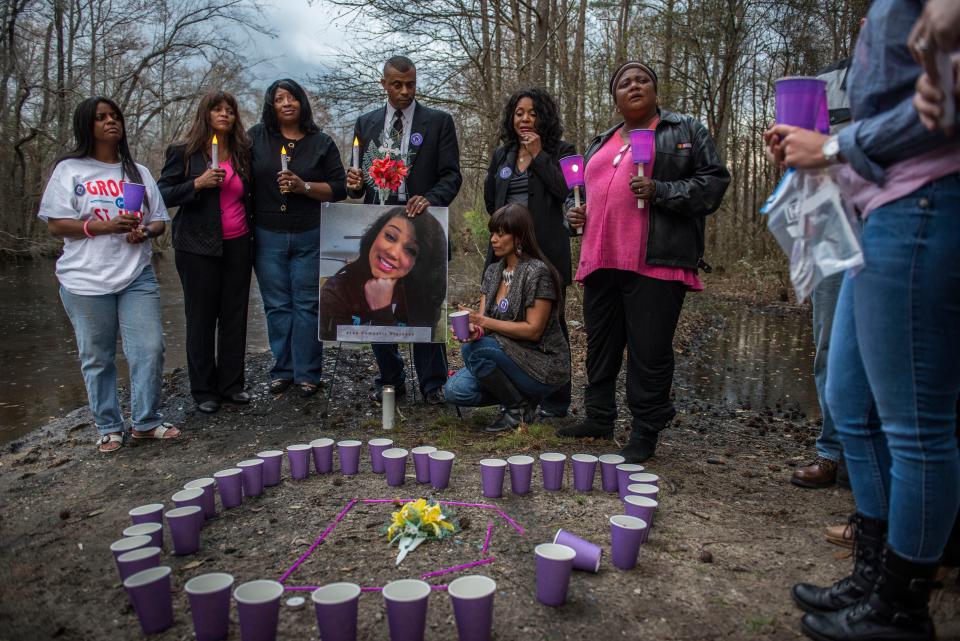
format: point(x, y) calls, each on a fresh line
point(587, 429)
point(516, 409)
point(642, 445)
point(896, 609)
point(868, 539)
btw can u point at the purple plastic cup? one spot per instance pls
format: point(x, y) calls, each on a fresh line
point(272, 467)
point(377, 447)
point(460, 321)
point(336, 608)
point(395, 465)
point(252, 477)
point(551, 466)
point(588, 554)
point(643, 489)
point(823, 116)
point(322, 455)
point(406, 601)
point(152, 513)
point(421, 462)
point(642, 144)
point(299, 455)
point(230, 487)
point(258, 604)
point(626, 535)
point(521, 473)
point(153, 530)
point(209, 596)
point(149, 592)
point(798, 101)
point(554, 567)
point(472, 598)
point(209, 502)
point(129, 563)
point(441, 463)
point(184, 523)
point(624, 470)
point(186, 498)
point(584, 469)
point(349, 456)
point(133, 196)
point(572, 168)
point(608, 471)
point(643, 508)
point(129, 543)
point(492, 471)
point(644, 477)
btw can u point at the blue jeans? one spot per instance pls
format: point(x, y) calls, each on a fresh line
point(894, 370)
point(824, 300)
point(480, 358)
point(134, 312)
point(288, 273)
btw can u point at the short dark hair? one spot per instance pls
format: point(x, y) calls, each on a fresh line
point(402, 64)
point(548, 118)
point(269, 115)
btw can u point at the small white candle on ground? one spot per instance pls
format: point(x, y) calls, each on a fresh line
point(389, 400)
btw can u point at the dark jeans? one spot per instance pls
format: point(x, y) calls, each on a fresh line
point(824, 301)
point(481, 358)
point(288, 273)
point(624, 309)
point(215, 294)
point(429, 359)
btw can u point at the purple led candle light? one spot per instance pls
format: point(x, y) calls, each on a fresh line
point(642, 145)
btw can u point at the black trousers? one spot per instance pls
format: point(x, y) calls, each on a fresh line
point(429, 359)
point(559, 400)
point(215, 294)
point(624, 309)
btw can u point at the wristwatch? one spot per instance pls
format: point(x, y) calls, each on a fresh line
point(148, 232)
point(831, 150)
point(306, 187)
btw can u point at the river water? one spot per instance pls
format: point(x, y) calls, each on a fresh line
point(758, 358)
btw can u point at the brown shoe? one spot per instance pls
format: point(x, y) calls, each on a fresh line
point(820, 473)
point(841, 535)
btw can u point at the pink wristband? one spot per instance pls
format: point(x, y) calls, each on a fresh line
point(86, 228)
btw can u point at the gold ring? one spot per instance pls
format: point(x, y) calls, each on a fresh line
point(921, 45)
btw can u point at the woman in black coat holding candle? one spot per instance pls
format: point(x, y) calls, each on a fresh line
point(525, 170)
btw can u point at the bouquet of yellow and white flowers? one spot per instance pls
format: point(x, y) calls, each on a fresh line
point(419, 521)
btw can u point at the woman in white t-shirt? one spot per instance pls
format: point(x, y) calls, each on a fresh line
point(107, 284)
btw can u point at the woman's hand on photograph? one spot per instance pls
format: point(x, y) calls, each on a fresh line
point(379, 292)
point(643, 187)
point(531, 142)
point(417, 205)
point(290, 183)
point(802, 148)
point(354, 179)
point(577, 216)
point(209, 179)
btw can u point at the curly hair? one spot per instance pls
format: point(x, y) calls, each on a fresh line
point(426, 283)
point(269, 115)
point(548, 118)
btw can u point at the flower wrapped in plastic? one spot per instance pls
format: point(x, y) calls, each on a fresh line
point(386, 167)
point(419, 521)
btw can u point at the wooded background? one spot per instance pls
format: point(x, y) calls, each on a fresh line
point(716, 60)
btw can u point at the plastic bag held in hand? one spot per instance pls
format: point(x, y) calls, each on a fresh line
point(813, 226)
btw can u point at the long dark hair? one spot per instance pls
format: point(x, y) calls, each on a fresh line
point(84, 143)
point(548, 118)
point(200, 134)
point(269, 115)
point(426, 285)
point(516, 220)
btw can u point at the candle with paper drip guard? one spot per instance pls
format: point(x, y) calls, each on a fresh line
point(572, 168)
point(214, 153)
point(355, 159)
point(642, 142)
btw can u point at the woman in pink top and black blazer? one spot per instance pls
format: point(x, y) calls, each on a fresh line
point(637, 262)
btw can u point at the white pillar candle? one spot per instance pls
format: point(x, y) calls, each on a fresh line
point(389, 400)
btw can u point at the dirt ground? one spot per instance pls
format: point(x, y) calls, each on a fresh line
point(730, 537)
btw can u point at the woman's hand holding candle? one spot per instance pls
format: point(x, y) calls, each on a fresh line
point(642, 187)
point(354, 179)
point(577, 216)
point(209, 179)
point(290, 183)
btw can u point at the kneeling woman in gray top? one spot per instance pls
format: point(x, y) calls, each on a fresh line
point(516, 353)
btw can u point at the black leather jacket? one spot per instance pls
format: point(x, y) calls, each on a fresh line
point(690, 182)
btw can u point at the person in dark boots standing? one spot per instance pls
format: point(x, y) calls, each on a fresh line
point(642, 245)
point(894, 364)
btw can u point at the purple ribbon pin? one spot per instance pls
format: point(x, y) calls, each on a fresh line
point(505, 172)
point(416, 139)
point(503, 306)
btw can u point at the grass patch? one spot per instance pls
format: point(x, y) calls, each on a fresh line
point(758, 625)
point(448, 432)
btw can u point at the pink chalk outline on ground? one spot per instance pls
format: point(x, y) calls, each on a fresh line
point(456, 568)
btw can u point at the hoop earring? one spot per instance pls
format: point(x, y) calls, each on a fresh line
point(519, 251)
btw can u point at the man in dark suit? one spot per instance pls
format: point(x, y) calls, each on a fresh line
point(428, 135)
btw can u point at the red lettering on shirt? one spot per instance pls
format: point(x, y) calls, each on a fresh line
point(112, 188)
point(102, 188)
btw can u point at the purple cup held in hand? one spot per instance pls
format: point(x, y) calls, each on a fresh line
point(624, 470)
point(521, 473)
point(492, 471)
point(460, 321)
point(377, 447)
point(626, 535)
point(258, 606)
point(152, 513)
point(421, 462)
point(272, 467)
point(798, 101)
point(395, 465)
point(299, 455)
point(349, 452)
point(128, 543)
point(406, 601)
point(129, 563)
point(149, 592)
point(472, 598)
point(133, 197)
point(608, 471)
point(584, 469)
point(209, 596)
point(209, 501)
point(322, 455)
point(230, 486)
point(551, 466)
point(441, 464)
point(252, 477)
point(588, 554)
point(554, 567)
point(184, 523)
point(336, 608)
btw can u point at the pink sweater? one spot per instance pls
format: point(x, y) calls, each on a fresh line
point(615, 234)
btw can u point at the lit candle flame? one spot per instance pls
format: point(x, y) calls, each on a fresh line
point(283, 150)
point(215, 139)
point(356, 143)
point(574, 168)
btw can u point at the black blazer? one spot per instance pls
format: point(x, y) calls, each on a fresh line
point(197, 227)
point(546, 194)
point(434, 163)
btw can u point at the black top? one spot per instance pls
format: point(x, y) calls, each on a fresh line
point(546, 190)
point(197, 227)
point(314, 158)
point(344, 302)
point(518, 192)
point(434, 155)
